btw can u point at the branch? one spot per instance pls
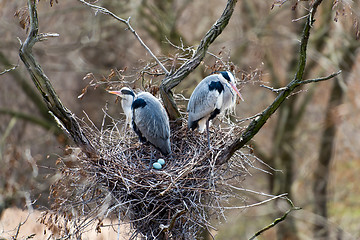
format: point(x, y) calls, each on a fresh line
point(44, 86)
point(258, 122)
point(127, 22)
point(9, 69)
point(277, 90)
point(283, 195)
point(320, 79)
point(174, 79)
point(277, 220)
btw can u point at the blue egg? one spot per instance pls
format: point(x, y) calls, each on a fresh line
point(161, 161)
point(157, 166)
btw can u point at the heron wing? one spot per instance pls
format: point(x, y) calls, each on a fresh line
point(152, 121)
point(203, 101)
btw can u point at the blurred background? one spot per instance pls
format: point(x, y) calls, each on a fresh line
point(313, 138)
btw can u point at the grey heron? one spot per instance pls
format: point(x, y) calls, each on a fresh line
point(148, 118)
point(213, 95)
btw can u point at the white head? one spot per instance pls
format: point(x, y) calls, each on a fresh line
point(229, 78)
point(127, 98)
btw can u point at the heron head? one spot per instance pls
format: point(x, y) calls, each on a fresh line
point(127, 97)
point(124, 93)
point(229, 77)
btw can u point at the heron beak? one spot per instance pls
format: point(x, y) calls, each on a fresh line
point(237, 91)
point(118, 93)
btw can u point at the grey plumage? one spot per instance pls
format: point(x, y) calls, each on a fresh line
point(148, 117)
point(152, 122)
point(213, 95)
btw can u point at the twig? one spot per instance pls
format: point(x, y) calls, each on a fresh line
point(300, 18)
point(258, 203)
point(277, 220)
point(20, 225)
point(280, 2)
point(248, 118)
point(9, 69)
point(45, 36)
point(277, 90)
point(127, 22)
point(320, 79)
point(182, 48)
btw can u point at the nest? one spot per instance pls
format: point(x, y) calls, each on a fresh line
point(176, 202)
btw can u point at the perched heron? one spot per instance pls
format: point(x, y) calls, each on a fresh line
point(148, 118)
point(213, 95)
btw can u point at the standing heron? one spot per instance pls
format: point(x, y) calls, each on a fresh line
point(148, 118)
point(213, 95)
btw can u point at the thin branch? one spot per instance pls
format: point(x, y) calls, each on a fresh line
point(300, 18)
point(9, 69)
point(277, 220)
point(248, 118)
point(277, 90)
point(127, 22)
point(256, 204)
point(258, 122)
point(45, 88)
point(320, 79)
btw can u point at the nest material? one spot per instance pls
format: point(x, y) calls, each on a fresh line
point(175, 202)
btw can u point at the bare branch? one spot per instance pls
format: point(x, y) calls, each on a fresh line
point(248, 118)
point(9, 69)
point(277, 90)
point(277, 220)
point(45, 36)
point(127, 22)
point(45, 88)
point(320, 79)
point(257, 203)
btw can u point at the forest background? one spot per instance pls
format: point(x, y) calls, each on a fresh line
point(313, 138)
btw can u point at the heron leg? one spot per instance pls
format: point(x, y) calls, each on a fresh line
point(208, 133)
point(151, 160)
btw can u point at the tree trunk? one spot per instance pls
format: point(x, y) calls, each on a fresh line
point(321, 230)
point(321, 174)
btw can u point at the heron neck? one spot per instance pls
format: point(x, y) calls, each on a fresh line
point(127, 102)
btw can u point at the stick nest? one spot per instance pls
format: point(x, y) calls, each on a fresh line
point(175, 202)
